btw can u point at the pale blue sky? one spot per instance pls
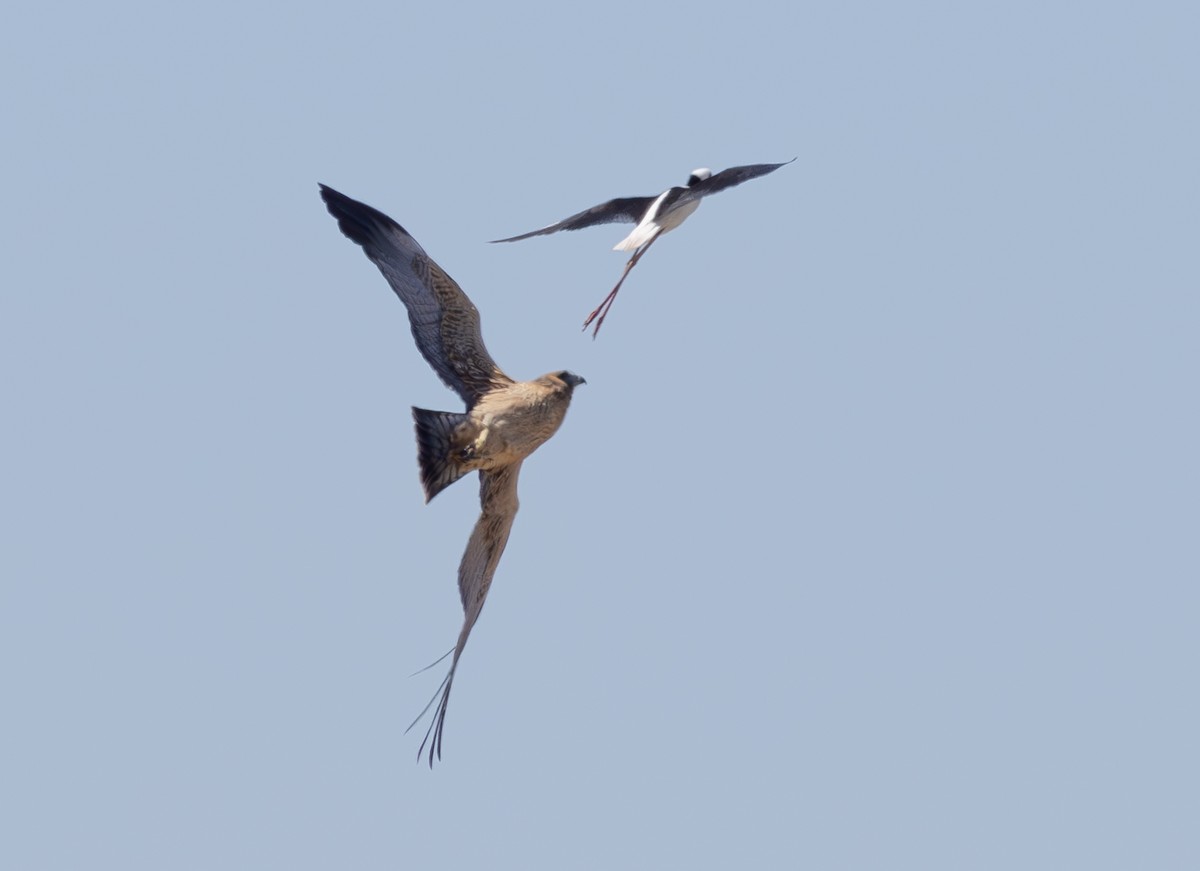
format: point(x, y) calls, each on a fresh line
point(871, 543)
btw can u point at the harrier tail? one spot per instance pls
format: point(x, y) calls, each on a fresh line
point(439, 459)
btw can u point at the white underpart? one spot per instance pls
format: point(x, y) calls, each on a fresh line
point(654, 225)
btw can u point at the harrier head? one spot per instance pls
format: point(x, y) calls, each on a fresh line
point(569, 378)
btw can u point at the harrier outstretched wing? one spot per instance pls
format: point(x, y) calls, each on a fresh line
point(498, 501)
point(444, 321)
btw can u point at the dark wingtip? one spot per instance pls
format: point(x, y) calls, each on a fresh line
point(438, 724)
point(358, 221)
point(333, 199)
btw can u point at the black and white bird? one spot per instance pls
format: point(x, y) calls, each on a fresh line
point(654, 216)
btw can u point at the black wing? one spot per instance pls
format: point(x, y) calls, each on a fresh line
point(627, 210)
point(444, 322)
point(727, 178)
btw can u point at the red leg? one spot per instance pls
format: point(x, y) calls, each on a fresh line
point(600, 312)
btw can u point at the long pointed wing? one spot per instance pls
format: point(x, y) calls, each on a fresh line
point(727, 178)
point(498, 500)
point(627, 210)
point(444, 322)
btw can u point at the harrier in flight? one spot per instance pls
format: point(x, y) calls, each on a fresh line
point(504, 423)
point(654, 216)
